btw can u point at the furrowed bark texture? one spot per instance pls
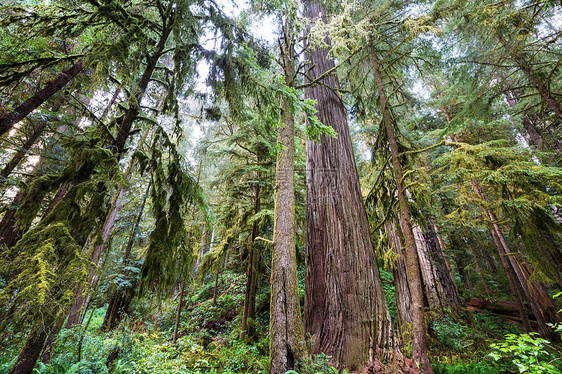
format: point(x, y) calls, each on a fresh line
point(345, 308)
point(401, 287)
point(286, 325)
point(440, 290)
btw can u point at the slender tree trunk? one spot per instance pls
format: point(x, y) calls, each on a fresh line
point(532, 132)
point(541, 315)
point(285, 326)
point(178, 314)
point(252, 271)
point(345, 307)
point(217, 276)
point(9, 233)
point(132, 111)
point(20, 154)
point(8, 120)
point(31, 350)
point(75, 315)
point(545, 93)
point(61, 192)
point(120, 302)
point(48, 347)
point(83, 335)
point(445, 258)
point(472, 249)
point(419, 347)
point(515, 289)
point(121, 299)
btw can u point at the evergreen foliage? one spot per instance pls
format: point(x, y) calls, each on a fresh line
point(144, 187)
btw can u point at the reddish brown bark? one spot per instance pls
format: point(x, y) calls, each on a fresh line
point(401, 284)
point(8, 120)
point(20, 154)
point(31, 350)
point(345, 307)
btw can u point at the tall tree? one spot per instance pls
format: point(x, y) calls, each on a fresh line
point(345, 308)
point(286, 326)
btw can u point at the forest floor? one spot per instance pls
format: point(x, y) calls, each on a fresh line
point(209, 341)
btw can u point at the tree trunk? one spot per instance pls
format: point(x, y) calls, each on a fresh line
point(532, 133)
point(545, 93)
point(121, 299)
point(31, 350)
point(217, 275)
point(472, 249)
point(20, 154)
point(515, 289)
point(8, 120)
point(419, 346)
point(541, 314)
point(9, 233)
point(75, 315)
point(345, 307)
point(252, 271)
point(440, 288)
point(401, 285)
point(178, 314)
point(286, 326)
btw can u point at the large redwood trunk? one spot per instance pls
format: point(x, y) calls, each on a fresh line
point(345, 307)
point(8, 120)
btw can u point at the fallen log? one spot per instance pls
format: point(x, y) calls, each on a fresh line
point(504, 308)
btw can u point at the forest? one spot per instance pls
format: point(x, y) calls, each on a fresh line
point(283, 186)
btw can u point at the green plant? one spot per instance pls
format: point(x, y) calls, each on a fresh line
point(317, 364)
point(528, 353)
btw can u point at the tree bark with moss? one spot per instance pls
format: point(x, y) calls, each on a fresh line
point(419, 339)
point(286, 326)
